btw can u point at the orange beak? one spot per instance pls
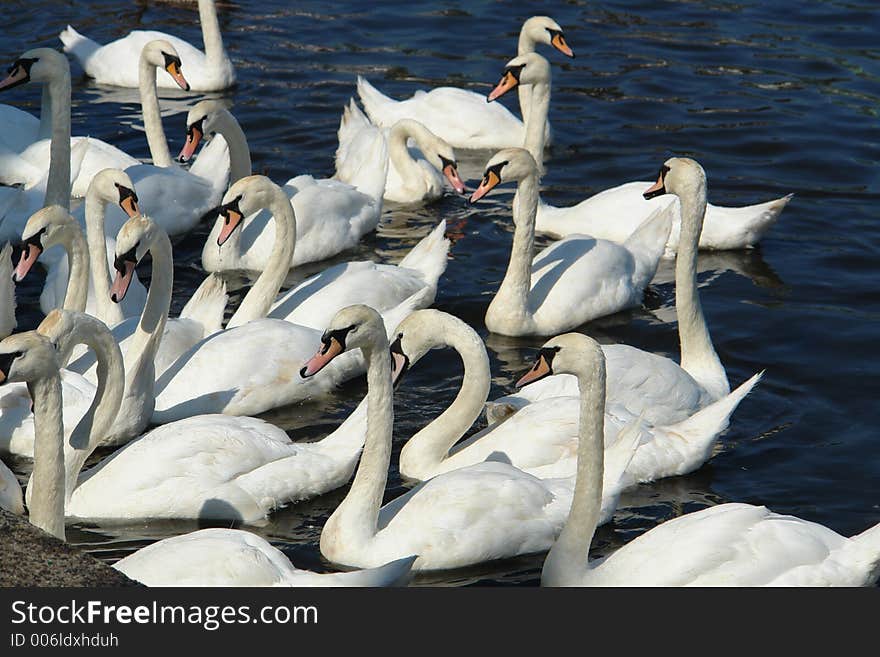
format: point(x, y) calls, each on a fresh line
point(193, 137)
point(489, 182)
point(130, 206)
point(539, 371)
point(231, 220)
point(657, 189)
point(29, 256)
point(18, 76)
point(124, 273)
point(508, 82)
point(558, 42)
point(328, 351)
point(174, 71)
point(451, 174)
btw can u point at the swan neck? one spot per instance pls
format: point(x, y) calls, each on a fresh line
point(428, 448)
point(697, 351)
point(568, 559)
point(211, 37)
point(259, 299)
point(45, 131)
point(78, 274)
point(513, 293)
point(47, 479)
point(236, 142)
point(399, 154)
point(58, 181)
point(152, 116)
point(99, 271)
point(358, 514)
point(536, 121)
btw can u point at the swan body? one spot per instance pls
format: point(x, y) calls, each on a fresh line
point(461, 117)
point(116, 63)
point(208, 557)
point(228, 557)
point(486, 511)
point(644, 382)
point(414, 175)
point(10, 491)
point(22, 128)
point(614, 214)
point(572, 281)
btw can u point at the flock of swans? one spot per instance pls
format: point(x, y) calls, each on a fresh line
point(590, 421)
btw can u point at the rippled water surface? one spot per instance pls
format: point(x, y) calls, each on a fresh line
point(771, 98)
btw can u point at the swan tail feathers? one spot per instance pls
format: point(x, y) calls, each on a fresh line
point(81, 47)
point(376, 104)
point(620, 454)
point(701, 430)
point(362, 154)
point(416, 301)
point(393, 573)
point(429, 257)
point(648, 243)
point(861, 554)
point(207, 304)
point(7, 292)
point(743, 226)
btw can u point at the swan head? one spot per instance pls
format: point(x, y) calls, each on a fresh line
point(543, 29)
point(507, 165)
point(245, 197)
point(161, 54)
point(114, 186)
point(420, 332)
point(133, 242)
point(530, 68)
point(353, 327)
point(201, 122)
point(571, 353)
point(678, 175)
point(436, 150)
point(36, 65)
point(26, 357)
point(45, 228)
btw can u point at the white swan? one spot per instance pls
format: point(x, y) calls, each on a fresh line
point(479, 513)
point(208, 557)
point(10, 489)
point(666, 391)
point(28, 158)
point(414, 175)
point(206, 379)
point(462, 117)
point(616, 213)
point(331, 216)
point(116, 63)
point(70, 279)
point(314, 301)
point(542, 438)
point(724, 545)
point(574, 280)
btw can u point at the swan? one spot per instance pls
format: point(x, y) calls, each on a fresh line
point(574, 280)
point(725, 545)
point(209, 379)
point(68, 280)
point(314, 301)
point(331, 216)
point(616, 213)
point(414, 176)
point(487, 511)
point(30, 153)
point(10, 489)
point(211, 557)
point(641, 381)
point(542, 438)
point(116, 63)
point(152, 342)
point(462, 117)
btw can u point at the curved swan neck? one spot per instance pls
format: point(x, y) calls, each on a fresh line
point(78, 269)
point(398, 152)
point(214, 51)
point(426, 450)
point(152, 116)
point(99, 271)
point(698, 356)
point(236, 142)
point(259, 299)
point(358, 513)
point(58, 181)
point(568, 559)
point(536, 121)
point(47, 503)
point(512, 295)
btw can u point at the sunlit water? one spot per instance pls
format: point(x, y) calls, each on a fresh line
point(771, 98)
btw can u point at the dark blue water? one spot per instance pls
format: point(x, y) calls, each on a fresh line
point(771, 98)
